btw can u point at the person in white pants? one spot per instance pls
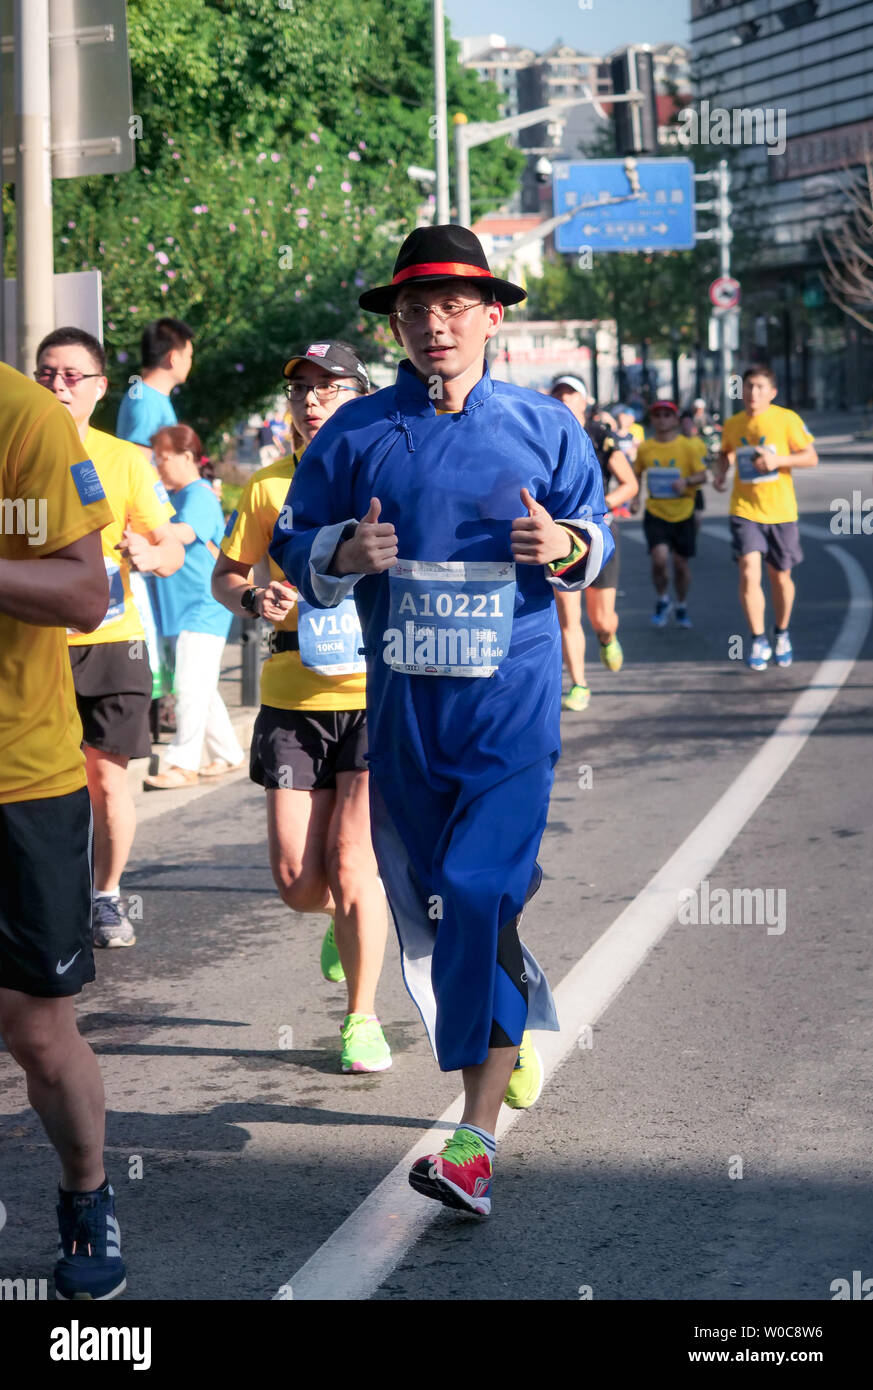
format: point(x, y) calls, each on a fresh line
point(197, 624)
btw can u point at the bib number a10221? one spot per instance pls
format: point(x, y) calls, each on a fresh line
point(449, 618)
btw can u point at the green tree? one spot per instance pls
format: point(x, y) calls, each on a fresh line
point(272, 141)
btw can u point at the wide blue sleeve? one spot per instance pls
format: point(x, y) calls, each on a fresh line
point(576, 499)
point(318, 514)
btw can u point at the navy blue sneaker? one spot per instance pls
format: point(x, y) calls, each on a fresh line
point(89, 1246)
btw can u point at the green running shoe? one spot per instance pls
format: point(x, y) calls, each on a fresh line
point(331, 965)
point(364, 1045)
point(526, 1081)
point(577, 698)
point(611, 654)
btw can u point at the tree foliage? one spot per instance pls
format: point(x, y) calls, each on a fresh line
point(273, 138)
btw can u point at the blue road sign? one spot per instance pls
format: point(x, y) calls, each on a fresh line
point(662, 219)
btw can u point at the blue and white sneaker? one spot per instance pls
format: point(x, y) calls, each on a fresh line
point(760, 654)
point(783, 649)
point(110, 924)
point(89, 1246)
point(661, 613)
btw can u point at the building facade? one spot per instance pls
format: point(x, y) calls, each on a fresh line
point(797, 83)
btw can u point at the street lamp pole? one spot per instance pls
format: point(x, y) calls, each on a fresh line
point(440, 120)
point(33, 174)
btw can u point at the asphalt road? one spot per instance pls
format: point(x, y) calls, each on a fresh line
point(732, 1049)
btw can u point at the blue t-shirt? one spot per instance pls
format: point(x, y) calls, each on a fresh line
point(142, 415)
point(185, 598)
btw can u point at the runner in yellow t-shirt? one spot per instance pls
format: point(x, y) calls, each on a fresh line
point(110, 666)
point(672, 471)
point(765, 443)
point(688, 426)
point(52, 508)
point(310, 739)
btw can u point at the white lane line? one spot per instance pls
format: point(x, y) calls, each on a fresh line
point(371, 1242)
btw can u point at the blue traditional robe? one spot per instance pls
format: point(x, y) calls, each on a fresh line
point(461, 764)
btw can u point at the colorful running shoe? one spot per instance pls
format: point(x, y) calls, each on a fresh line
point(784, 651)
point(661, 613)
point(577, 698)
point(526, 1081)
point(331, 965)
point(760, 654)
point(682, 618)
point(459, 1176)
point(89, 1246)
point(110, 925)
point(364, 1045)
point(611, 654)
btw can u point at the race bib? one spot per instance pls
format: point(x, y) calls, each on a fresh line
point(330, 638)
point(661, 482)
point(116, 592)
point(746, 469)
point(449, 618)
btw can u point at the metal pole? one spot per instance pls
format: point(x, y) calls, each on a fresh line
point(33, 173)
point(2, 235)
point(440, 122)
point(462, 170)
point(724, 266)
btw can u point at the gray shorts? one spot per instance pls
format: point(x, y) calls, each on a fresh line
point(778, 542)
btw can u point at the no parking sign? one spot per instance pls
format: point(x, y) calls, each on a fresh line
point(725, 292)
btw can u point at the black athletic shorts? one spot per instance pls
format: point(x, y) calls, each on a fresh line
point(304, 750)
point(45, 895)
point(680, 536)
point(608, 576)
point(778, 542)
point(113, 683)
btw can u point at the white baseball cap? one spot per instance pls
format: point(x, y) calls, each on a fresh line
point(573, 382)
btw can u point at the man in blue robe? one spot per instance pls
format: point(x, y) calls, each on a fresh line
point(477, 498)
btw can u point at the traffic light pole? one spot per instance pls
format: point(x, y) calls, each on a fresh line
point(723, 236)
point(468, 134)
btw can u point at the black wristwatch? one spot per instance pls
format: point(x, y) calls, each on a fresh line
point(247, 601)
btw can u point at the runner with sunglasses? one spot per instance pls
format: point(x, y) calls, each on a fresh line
point(111, 671)
point(310, 738)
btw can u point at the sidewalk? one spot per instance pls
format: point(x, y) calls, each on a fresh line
point(230, 689)
point(847, 435)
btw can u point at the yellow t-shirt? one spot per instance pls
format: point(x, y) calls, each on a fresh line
point(138, 500)
point(769, 502)
point(285, 682)
point(675, 454)
point(50, 496)
point(637, 432)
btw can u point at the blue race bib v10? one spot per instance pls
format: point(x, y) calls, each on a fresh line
point(449, 618)
point(331, 638)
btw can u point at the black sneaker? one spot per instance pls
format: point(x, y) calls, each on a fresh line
point(109, 923)
point(89, 1246)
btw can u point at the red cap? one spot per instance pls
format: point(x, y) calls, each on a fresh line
point(663, 405)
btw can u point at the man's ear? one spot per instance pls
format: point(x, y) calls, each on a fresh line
point(495, 319)
point(393, 321)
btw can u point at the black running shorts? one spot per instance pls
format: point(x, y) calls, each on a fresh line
point(608, 576)
point(45, 895)
point(303, 750)
point(679, 536)
point(113, 683)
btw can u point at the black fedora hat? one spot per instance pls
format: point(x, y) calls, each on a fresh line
point(430, 254)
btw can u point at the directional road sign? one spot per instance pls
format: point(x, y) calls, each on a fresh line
point(725, 292)
point(662, 219)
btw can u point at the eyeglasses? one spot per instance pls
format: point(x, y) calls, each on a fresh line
point(299, 390)
point(449, 309)
point(46, 376)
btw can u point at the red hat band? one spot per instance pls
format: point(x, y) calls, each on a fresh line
point(458, 268)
